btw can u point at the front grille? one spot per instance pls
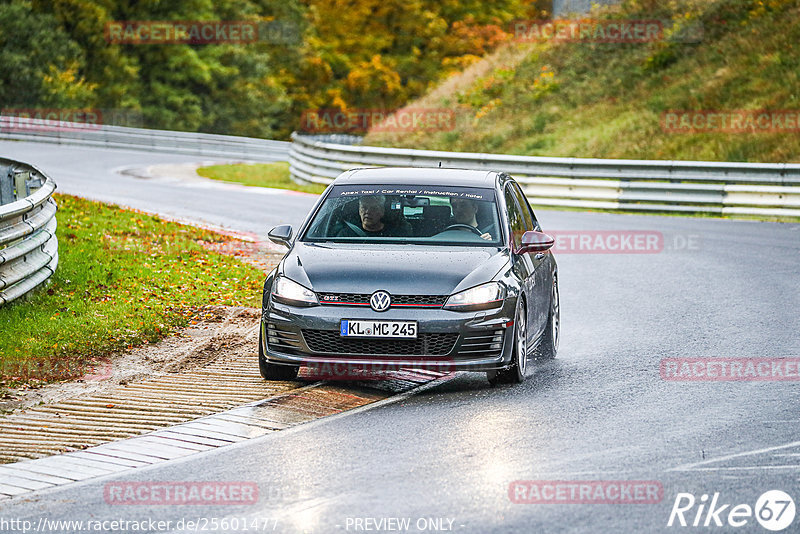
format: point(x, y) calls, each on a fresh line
point(482, 344)
point(330, 342)
point(283, 340)
point(419, 300)
point(362, 299)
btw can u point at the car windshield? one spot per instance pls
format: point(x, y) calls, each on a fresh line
point(407, 214)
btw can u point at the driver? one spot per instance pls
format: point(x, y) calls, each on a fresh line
point(465, 211)
point(371, 211)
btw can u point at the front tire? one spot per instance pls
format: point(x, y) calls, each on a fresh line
point(548, 346)
point(515, 373)
point(274, 371)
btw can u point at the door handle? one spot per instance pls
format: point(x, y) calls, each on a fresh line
point(539, 256)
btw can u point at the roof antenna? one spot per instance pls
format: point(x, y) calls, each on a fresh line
point(440, 164)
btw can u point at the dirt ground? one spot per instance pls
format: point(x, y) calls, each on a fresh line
point(219, 330)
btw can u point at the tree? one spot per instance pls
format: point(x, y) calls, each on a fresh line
point(40, 66)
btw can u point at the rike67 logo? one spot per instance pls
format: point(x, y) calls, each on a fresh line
point(774, 510)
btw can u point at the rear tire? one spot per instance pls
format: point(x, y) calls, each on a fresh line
point(548, 346)
point(274, 371)
point(514, 373)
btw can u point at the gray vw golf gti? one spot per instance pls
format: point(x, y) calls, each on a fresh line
point(396, 268)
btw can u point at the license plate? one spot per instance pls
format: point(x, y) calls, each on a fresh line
point(395, 329)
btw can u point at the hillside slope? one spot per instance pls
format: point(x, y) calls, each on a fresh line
point(608, 100)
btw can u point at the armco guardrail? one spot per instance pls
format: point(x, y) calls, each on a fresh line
point(28, 245)
point(761, 189)
point(194, 144)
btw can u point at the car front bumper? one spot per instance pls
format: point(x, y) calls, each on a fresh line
point(447, 340)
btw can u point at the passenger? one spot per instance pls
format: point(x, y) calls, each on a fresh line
point(465, 211)
point(372, 212)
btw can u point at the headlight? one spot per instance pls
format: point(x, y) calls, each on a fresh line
point(290, 292)
point(480, 297)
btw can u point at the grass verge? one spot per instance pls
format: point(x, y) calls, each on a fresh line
point(124, 278)
point(274, 175)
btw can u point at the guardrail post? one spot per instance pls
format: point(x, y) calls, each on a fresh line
point(21, 184)
point(6, 186)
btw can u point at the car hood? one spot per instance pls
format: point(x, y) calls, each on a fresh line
point(398, 269)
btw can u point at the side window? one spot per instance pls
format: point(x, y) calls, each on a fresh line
point(515, 217)
point(527, 212)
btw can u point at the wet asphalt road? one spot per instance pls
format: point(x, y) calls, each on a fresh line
point(601, 411)
point(92, 173)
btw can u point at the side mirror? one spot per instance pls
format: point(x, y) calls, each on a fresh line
point(281, 235)
point(535, 242)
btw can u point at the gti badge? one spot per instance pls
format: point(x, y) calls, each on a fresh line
point(380, 301)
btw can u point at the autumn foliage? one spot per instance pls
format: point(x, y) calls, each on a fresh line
point(310, 54)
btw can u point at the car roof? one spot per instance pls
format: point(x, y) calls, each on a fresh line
point(419, 176)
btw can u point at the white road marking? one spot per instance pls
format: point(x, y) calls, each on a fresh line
point(745, 468)
point(693, 466)
point(580, 473)
point(782, 421)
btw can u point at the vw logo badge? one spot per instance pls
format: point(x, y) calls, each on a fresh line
point(380, 301)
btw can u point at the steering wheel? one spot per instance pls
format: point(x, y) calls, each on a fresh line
point(464, 226)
